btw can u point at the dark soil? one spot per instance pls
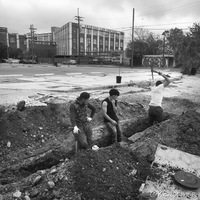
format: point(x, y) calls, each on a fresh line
point(109, 173)
point(32, 144)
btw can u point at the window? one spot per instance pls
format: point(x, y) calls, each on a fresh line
point(94, 41)
point(100, 41)
point(82, 30)
point(89, 31)
point(12, 40)
point(82, 48)
point(81, 40)
point(95, 32)
point(88, 48)
point(95, 49)
point(112, 35)
point(106, 42)
point(101, 33)
point(106, 34)
point(88, 40)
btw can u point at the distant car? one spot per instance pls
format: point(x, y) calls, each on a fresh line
point(95, 61)
point(28, 61)
point(3, 60)
point(116, 61)
point(12, 60)
point(72, 62)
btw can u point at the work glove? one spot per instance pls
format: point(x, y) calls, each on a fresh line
point(89, 119)
point(95, 147)
point(76, 130)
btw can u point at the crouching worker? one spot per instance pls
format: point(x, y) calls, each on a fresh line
point(80, 122)
point(109, 108)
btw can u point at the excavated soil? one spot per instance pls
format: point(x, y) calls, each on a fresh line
point(34, 164)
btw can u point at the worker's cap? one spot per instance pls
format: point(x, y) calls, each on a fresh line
point(84, 95)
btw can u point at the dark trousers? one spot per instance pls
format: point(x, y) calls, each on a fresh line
point(155, 114)
point(115, 132)
point(84, 137)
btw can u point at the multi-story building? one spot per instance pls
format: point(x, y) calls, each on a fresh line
point(45, 37)
point(40, 44)
point(16, 41)
point(3, 36)
point(12, 40)
point(3, 42)
point(92, 41)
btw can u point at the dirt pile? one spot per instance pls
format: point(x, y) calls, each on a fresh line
point(35, 127)
point(181, 132)
point(35, 161)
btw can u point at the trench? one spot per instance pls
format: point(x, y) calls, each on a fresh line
point(56, 155)
point(18, 172)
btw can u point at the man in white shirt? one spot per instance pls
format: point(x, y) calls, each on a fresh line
point(155, 111)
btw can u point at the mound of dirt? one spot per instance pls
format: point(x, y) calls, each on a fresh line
point(181, 132)
point(109, 173)
point(35, 164)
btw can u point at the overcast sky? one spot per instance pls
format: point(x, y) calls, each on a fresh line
point(154, 15)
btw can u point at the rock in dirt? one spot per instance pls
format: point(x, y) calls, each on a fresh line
point(21, 105)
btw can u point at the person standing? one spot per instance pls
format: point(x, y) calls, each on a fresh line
point(109, 108)
point(80, 121)
point(155, 111)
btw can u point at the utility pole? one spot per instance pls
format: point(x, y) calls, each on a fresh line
point(7, 45)
point(132, 44)
point(79, 19)
point(32, 31)
point(164, 37)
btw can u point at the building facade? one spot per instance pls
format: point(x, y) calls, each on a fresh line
point(3, 42)
point(3, 36)
point(89, 40)
point(28, 45)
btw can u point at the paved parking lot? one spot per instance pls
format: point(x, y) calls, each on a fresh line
point(17, 86)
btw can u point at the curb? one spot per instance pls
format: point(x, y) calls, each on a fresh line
point(11, 75)
point(49, 74)
point(68, 74)
point(100, 87)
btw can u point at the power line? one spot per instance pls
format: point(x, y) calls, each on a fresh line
point(171, 9)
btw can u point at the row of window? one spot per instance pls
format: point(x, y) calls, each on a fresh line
point(95, 49)
point(101, 42)
point(101, 33)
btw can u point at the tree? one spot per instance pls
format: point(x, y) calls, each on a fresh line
point(190, 49)
point(145, 43)
point(175, 39)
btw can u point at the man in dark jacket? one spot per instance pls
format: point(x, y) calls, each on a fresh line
point(82, 128)
point(109, 108)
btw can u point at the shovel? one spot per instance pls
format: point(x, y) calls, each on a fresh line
point(152, 73)
point(76, 141)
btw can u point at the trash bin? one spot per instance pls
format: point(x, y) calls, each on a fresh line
point(193, 71)
point(118, 79)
